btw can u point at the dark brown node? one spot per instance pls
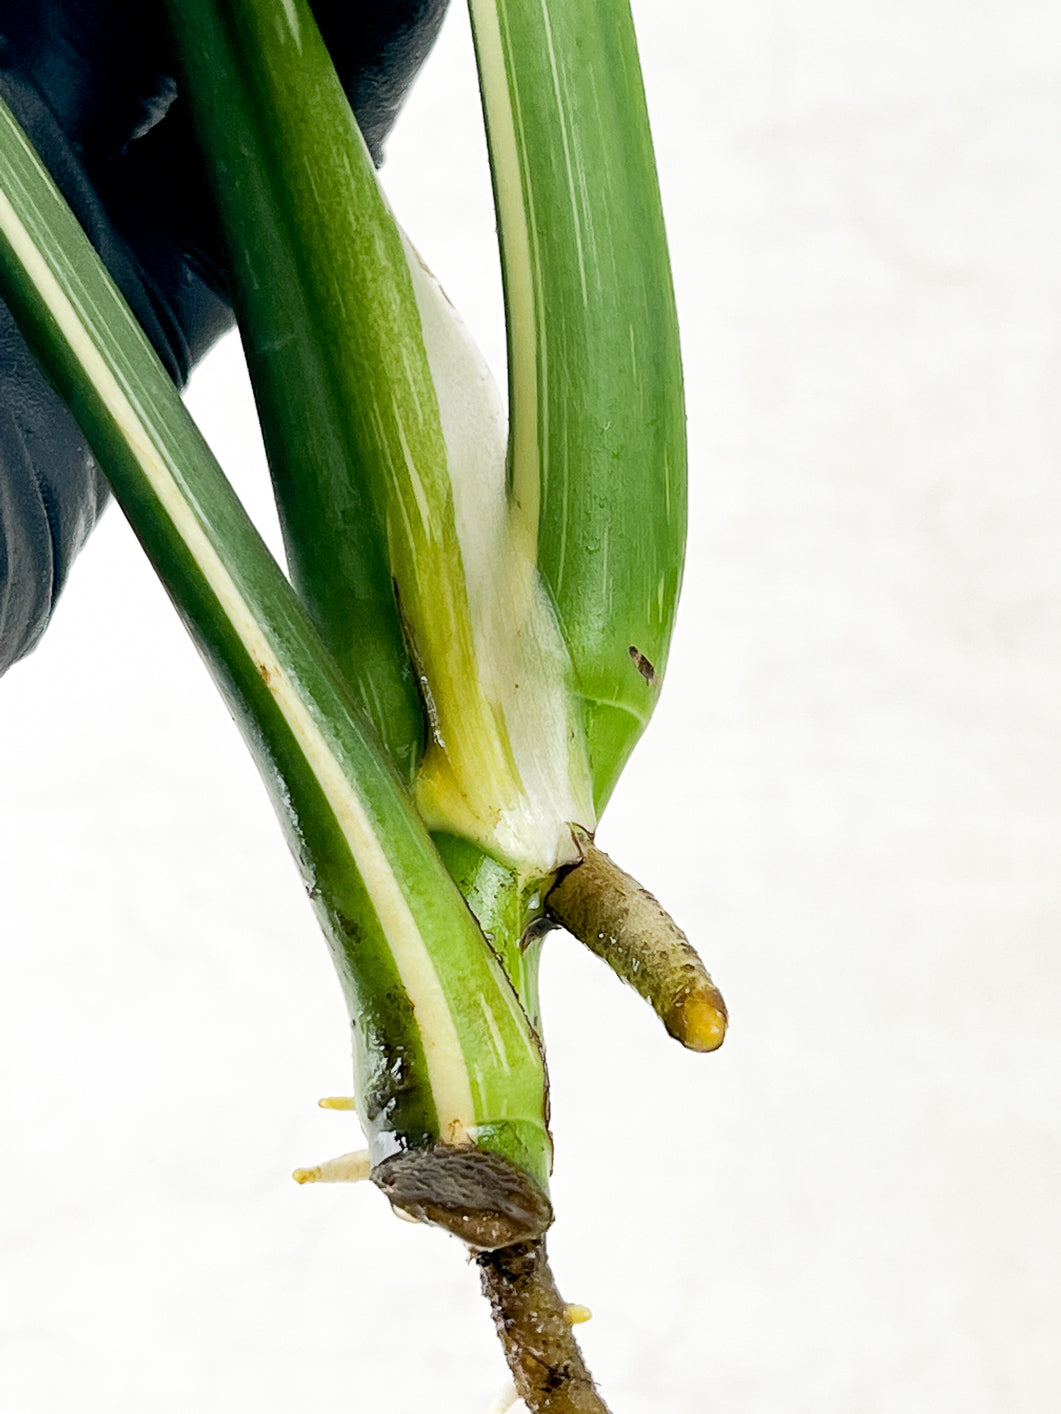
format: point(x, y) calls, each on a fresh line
point(480, 1197)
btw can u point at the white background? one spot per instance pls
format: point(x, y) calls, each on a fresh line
point(851, 797)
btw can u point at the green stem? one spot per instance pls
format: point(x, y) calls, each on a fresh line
point(444, 1052)
point(392, 498)
point(313, 336)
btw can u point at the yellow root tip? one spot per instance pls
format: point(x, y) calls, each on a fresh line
point(347, 1168)
point(337, 1102)
point(701, 1022)
point(576, 1315)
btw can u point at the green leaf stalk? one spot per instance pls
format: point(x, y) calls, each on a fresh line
point(597, 451)
point(406, 410)
point(447, 1063)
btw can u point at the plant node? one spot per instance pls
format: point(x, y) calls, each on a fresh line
point(480, 1197)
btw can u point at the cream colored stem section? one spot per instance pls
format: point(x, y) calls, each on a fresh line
point(447, 1072)
point(525, 344)
point(506, 764)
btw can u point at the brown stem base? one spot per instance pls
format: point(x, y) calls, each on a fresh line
point(478, 1196)
point(539, 1344)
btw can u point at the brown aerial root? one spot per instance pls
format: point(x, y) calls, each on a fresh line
point(535, 1327)
point(622, 923)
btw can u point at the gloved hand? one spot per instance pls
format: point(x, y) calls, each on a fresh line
point(91, 82)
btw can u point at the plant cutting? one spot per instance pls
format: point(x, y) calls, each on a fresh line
point(474, 632)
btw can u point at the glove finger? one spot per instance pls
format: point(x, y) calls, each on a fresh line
point(51, 494)
point(50, 490)
point(105, 68)
point(157, 195)
point(102, 66)
point(147, 211)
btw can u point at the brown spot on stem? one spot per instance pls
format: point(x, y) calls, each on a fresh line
point(535, 1332)
point(643, 666)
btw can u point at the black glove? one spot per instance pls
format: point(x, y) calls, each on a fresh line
point(91, 82)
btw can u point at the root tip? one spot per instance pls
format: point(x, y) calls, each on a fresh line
point(347, 1168)
point(699, 1021)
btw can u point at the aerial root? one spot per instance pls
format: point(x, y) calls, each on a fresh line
point(609, 911)
point(347, 1168)
point(506, 1400)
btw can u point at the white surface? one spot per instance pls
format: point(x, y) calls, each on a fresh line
point(851, 796)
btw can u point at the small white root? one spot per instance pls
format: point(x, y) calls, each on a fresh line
point(506, 1400)
point(347, 1168)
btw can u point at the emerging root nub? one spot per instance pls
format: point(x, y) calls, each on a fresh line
point(507, 1400)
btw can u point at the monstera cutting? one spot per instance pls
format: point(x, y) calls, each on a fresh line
point(471, 633)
